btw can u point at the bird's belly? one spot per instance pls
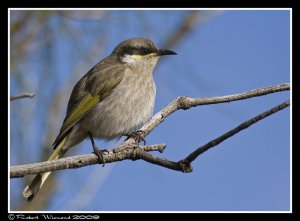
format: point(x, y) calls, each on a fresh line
point(122, 112)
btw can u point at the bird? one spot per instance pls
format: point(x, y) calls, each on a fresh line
point(113, 99)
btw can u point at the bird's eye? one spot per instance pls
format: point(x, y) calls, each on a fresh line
point(145, 51)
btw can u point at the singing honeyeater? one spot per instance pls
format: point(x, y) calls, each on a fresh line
point(112, 99)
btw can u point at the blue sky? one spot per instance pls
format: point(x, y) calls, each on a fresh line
point(232, 52)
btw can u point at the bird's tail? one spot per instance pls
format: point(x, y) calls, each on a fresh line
point(31, 190)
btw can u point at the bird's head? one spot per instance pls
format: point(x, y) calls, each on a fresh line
point(139, 51)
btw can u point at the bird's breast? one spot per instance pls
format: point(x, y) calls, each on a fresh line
point(128, 106)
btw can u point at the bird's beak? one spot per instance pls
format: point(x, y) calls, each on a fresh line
point(162, 52)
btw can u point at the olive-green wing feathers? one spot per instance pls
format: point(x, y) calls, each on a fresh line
point(81, 110)
point(92, 88)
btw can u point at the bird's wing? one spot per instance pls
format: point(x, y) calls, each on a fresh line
point(87, 93)
point(87, 103)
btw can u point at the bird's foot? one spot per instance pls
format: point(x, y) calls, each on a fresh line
point(97, 151)
point(137, 136)
point(99, 154)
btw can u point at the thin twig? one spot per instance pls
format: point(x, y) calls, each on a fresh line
point(133, 152)
point(157, 147)
point(20, 96)
point(190, 158)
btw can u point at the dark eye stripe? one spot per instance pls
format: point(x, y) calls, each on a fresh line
point(145, 51)
point(138, 51)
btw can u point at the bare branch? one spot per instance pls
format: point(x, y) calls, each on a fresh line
point(20, 96)
point(132, 152)
point(186, 103)
point(234, 131)
point(157, 147)
point(128, 150)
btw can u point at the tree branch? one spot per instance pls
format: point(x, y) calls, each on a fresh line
point(158, 147)
point(190, 158)
point(20, 96)
point(186, 103)
point(129, 150)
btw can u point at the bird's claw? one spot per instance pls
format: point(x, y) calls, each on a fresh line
point(136, 135)
point(99, 154)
